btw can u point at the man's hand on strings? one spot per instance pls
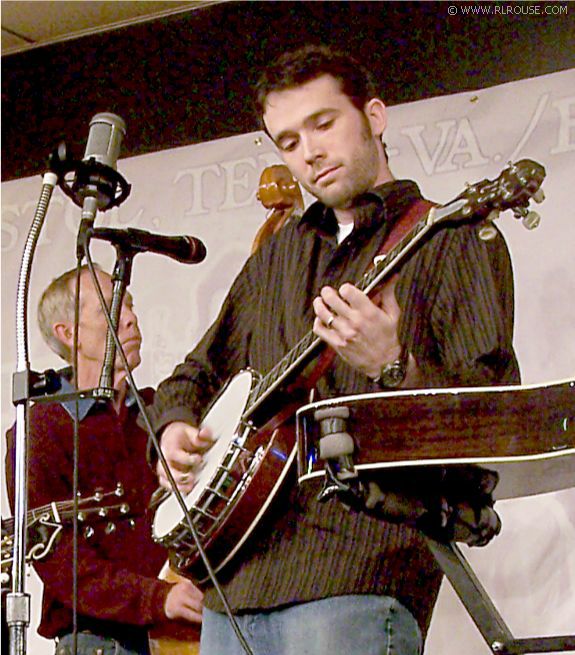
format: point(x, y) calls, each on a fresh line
point(183, 446)
point(362, 332)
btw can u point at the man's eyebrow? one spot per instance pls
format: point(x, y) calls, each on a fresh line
point(311, 119)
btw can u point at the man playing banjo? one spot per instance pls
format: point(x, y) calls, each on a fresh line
point(317, 578)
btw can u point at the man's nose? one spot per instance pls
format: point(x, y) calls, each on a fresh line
point(312, 149)
point(128, 317)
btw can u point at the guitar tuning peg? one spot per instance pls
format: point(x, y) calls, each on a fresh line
point(539, 196)
point(124, 508)
point(81, 517)
point(119, 489)
point(111, 527)
point(102, 512)
point(531, 220)
point(98, 493)
point(88, 532)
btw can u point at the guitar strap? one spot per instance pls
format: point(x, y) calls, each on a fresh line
point(404, 224)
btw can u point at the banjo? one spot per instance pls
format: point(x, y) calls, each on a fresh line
point(254, 448)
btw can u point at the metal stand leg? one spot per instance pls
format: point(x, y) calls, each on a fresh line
point(480, 608)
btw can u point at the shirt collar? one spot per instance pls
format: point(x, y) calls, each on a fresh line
point(84, 404)
point(384, 204)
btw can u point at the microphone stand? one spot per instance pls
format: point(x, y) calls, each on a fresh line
point(25, 385)
point(95, 186)
point(120, 280)
point(121, 277)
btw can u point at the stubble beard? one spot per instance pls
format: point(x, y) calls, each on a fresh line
point(360, 177)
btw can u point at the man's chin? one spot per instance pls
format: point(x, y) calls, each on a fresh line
point(334, 196)
point(336, 201)
point(133, 362)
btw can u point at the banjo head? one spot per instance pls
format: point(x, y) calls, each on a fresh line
point(224, 419)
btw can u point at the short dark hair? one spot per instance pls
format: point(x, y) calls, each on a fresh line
point(297, 67)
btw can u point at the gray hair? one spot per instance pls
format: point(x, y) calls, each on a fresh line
point(57, 305)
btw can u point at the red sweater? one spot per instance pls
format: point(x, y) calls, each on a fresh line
point(118, 592)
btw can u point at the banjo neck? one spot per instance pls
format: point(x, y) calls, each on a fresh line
point(513, 189)
point(382, 266)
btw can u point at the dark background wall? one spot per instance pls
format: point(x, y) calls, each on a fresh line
point(187, 78)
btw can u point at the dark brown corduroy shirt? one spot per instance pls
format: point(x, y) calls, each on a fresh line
point(456, 293)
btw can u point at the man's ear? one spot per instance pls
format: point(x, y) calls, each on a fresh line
point(376, 113)
point(64, 332)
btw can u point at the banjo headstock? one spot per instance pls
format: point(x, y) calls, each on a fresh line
point(513, 189)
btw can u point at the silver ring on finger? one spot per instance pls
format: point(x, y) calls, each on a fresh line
point(330, 321)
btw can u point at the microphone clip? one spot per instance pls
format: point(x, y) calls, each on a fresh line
point(91, 177)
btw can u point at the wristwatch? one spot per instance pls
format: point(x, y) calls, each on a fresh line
point(393, 374)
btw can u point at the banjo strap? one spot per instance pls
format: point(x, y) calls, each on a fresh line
point(400, 229)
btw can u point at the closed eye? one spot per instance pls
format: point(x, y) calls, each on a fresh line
point(325, 125)
point(288, 144)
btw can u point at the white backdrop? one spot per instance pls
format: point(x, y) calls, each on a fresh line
point(208, 191)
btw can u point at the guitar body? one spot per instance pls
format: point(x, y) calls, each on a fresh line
point(524, 433)
point(174, 637)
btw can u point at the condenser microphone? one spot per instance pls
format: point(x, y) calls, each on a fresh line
point(96, 184)
point(105, 139)
point(184, 249)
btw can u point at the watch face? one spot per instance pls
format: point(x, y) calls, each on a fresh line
point(393, 374)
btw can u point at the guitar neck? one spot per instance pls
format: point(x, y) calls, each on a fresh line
point(32, 516)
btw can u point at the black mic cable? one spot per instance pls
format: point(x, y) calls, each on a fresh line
point(157, 448)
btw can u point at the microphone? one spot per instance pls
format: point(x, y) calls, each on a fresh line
point(184, 249)
point(105, 139)
point(96, 184)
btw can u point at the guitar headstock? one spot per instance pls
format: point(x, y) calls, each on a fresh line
point(45, 523)
point(514, 188)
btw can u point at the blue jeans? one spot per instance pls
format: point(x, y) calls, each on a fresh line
point(90, 644)
point(343, 625)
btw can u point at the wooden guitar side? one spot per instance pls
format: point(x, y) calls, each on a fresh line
point(174, 637)
point(525, 433)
